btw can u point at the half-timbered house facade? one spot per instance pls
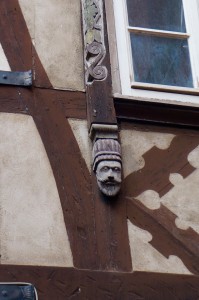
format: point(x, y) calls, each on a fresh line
point(78, 78)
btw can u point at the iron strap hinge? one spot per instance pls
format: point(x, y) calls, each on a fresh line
point(16, 78)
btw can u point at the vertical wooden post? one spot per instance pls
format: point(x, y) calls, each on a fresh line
point(100, 107)
point(110, 214)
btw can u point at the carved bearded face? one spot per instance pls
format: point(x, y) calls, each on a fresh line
point(108, 175)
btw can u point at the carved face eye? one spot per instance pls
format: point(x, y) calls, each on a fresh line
point(116, 169)
point(105, 169)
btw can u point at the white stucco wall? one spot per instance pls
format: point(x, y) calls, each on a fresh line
point(80, 131)
point(32, 228)
point(135, 143)
point(55, 29)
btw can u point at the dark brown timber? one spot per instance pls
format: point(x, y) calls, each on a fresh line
point(14, 36)
point(65, 283)
point(100, 106)
point(50, 110)
point(159, 164)
point(158, 113)
point(111, 228)
point(167, 239)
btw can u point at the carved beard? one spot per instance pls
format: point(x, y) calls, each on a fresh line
point(110, 190)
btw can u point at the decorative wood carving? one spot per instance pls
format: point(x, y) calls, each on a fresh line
point(107, 166)
point(96, 223)
point(95, 50)
point(100, 108)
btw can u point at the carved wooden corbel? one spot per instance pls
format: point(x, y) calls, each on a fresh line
point(107, 158)
point(102, 123)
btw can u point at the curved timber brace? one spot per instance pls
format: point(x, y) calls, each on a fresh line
point(101, 116)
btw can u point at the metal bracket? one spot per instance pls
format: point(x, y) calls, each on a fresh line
point(16, 78)
point(17, 291)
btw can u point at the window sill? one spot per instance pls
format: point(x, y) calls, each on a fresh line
point(142, 110)
point(165, 88)
point(181, 97)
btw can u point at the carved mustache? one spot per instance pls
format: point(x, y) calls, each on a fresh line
point(107, 181)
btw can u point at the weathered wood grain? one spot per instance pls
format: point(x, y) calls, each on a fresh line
point(97, 231)
point(65, 283)
point(111, 228)
point(156, 113)
point(100, 105)
point(167, 239)
point(14, 36)
point(159, 164)
point(18, 100)
point(71, 175)
point(17, 44)
point(50, 110)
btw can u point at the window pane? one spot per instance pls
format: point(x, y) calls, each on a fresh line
point(157, 14)
point(161, 60)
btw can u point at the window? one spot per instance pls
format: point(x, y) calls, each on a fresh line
point(158, 48)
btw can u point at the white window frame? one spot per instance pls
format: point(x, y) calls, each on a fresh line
point(157, 92)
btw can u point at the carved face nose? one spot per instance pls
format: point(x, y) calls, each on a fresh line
point(110, 175)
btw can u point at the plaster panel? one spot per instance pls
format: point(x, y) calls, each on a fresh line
point(4, 65)
point(179, 199)
point(135, 143)
point(58, 42)
point(161, 171)
point(55, 29)
point(28, 10)
point(32, 229)
point(148, 259)
point(80, 130)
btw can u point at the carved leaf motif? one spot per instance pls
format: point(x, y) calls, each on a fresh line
point(97, 34)
point(95, 50)
point(94, 10)
point(93, 35)
point(90, 36)
point(91, 11)
point(90, 2)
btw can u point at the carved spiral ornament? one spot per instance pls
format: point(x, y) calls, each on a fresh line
point(95, 50)
point(95, 70)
